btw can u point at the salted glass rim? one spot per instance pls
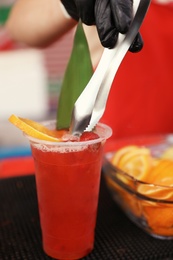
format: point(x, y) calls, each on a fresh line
point(103, 136)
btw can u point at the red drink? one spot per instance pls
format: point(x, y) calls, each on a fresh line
point(68, 178)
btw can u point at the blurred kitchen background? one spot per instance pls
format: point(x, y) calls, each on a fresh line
point(30, 81)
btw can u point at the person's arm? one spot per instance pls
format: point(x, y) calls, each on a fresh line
point(38, 22)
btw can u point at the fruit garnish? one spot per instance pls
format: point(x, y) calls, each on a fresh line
point(34, 129)
point(72, 86)
point(86, 136)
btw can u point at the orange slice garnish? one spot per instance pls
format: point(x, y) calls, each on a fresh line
point(34, 129)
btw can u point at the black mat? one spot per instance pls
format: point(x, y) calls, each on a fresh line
point(116, 236)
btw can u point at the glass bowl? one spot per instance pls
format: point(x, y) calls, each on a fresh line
point(148, 205)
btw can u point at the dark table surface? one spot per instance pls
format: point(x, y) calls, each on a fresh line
point(116, 236)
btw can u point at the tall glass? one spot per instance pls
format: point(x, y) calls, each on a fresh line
point(67, 179)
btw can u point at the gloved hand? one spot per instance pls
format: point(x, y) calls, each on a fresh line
point(109, 16)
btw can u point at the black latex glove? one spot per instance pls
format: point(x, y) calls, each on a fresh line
point(109, 16)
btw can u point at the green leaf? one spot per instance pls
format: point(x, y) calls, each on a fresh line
point(78, 72)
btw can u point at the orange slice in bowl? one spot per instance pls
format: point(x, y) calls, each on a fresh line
point(162, 173)
point(159, 215)
point(118, 155)
point(159, 218)
point(168, 153)
point(156, 191)
point(34, 129)
point(137, 162)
